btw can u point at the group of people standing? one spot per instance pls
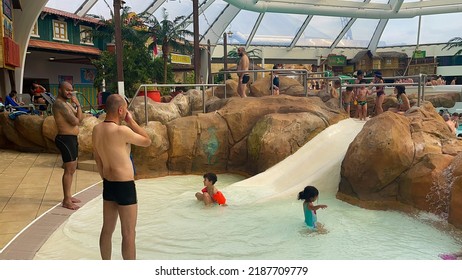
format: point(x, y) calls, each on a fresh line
point(111, 149)
point(357, 96)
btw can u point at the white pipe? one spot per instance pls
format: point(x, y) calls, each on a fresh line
point(310, 9)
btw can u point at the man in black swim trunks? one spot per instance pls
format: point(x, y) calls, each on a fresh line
point(111, 149)
point(67, 117)
point(243, 76)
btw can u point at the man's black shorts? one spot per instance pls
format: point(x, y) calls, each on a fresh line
point(123, 193)
point(68, 145)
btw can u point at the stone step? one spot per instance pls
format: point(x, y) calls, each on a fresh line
point(88, 165)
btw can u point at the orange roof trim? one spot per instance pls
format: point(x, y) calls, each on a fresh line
point(70, 15)
point(63, 47)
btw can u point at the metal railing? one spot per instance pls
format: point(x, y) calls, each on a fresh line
point(287, 72)
point(144, 88)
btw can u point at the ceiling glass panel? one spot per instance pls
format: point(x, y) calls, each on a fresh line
point(361, 34)
point(174, 9)
point(241, 27)
point(400, 32)
point(440, 28)
point(207, 17)
point(277, 29)
point(322, 31)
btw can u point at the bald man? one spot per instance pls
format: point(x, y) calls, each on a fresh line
point(111, 149)
point(68, 116)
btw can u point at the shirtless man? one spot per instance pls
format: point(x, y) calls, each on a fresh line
point(67, 118)
point(243, 76)
point(111, 149)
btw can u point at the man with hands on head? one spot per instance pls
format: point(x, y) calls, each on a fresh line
point(111, 149)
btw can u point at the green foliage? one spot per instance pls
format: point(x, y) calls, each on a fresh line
point(170, 34)
point(219, 78)
point(139, 67)
point(455, 42)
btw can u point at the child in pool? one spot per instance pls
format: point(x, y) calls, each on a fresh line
point(210, 194)
point(310, 195)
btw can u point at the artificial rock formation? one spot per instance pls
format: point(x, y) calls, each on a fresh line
point(412, 159)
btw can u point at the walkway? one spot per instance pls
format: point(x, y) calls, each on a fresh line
point(30, 184)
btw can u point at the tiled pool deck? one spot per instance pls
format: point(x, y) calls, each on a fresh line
point(30, 187)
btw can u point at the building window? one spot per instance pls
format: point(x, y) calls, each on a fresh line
point(388, 61)
point(35, 32)
point(60, 30)
point(86, 36)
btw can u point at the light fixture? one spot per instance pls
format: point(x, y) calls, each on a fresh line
point(51, 58)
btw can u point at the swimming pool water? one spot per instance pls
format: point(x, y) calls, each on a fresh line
point(173, 225)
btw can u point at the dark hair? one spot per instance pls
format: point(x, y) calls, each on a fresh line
point(212, 177)
point(359, 72)
point(363, 81)
point(308, 192)
point(349, 88)
point(13, 93)
point(401, 89)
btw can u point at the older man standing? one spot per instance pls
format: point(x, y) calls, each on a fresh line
point(67, 117)
point(243, 76)
point(111, 149)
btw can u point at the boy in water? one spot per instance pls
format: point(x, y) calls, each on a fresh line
point(210, 194)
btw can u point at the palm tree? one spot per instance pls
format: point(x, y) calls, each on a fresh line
point(455, 42)
point(170, 34)
point(138, 65)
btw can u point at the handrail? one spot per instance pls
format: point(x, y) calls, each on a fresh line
point(420, 84)
point(300, 72)
point(145, 86)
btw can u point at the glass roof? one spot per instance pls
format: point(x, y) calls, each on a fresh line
point(322, 27)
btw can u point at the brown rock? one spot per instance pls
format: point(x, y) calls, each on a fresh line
point(455, 191)
point(152, 161)
point(276, 136)
point(85, 137)
point(30, 127)
point(201, 143)
point(161, 112)
point(49, 132)
point(418, 186)
point(377, 156)
point(19, 142)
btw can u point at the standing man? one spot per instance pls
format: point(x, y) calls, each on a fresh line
point(111, 148)
point(67, 118)
point(243, 76)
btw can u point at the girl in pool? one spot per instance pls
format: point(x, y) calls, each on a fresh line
point(310, 195)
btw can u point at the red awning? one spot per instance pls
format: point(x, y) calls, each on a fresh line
point(39, 44)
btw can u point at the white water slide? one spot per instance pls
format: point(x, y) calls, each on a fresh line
point(317, 163)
